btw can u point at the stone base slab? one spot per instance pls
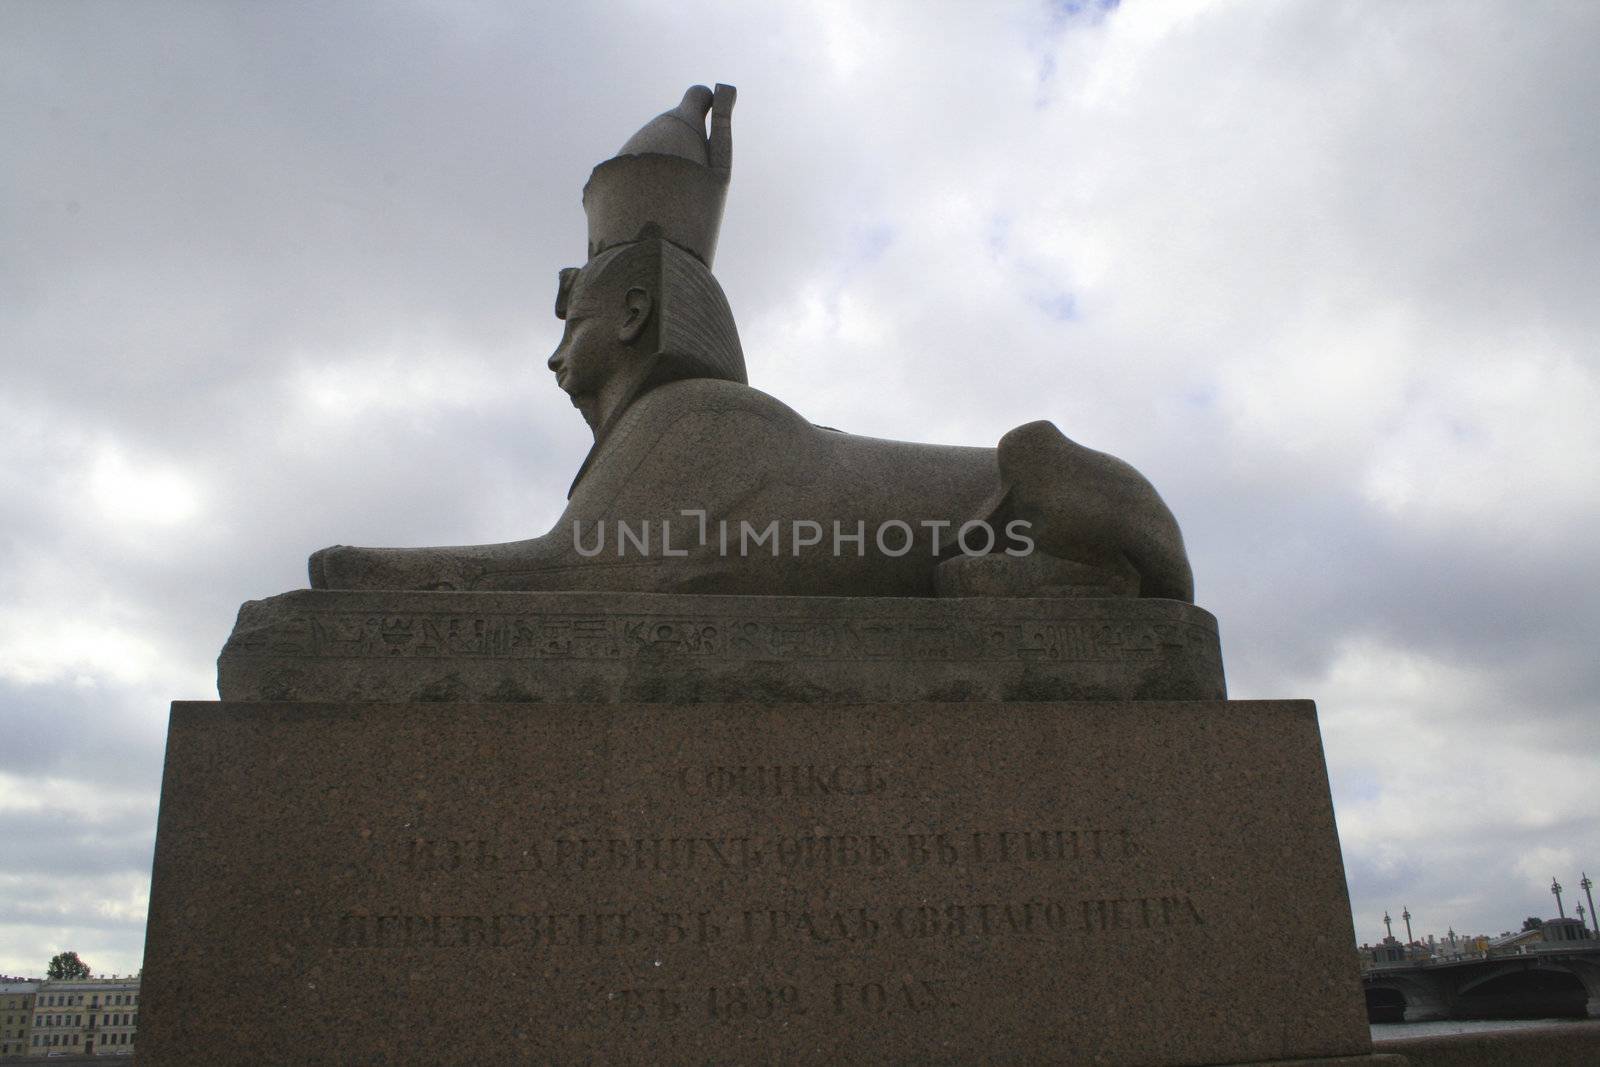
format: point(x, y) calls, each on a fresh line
point(1377, 1059)
point(669, 648)
point(1562, 1045)
point(1152, 883)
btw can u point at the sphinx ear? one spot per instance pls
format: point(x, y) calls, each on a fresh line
point(569, 276)
point(639, 305)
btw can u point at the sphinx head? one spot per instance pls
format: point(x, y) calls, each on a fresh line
point(638, 315)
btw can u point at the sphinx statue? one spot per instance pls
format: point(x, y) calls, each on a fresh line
point(699, 483)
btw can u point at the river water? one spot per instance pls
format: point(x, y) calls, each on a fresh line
point(1390, 1031)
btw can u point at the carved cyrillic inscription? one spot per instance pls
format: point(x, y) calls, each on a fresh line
point(758, 885)
point(756, 1001)
point(780, 780)
point(520, 930)
point(1052, 918)
point(1130, 913)
point(567, 855)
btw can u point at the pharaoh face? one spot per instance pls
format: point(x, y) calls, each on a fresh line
point(592, 349)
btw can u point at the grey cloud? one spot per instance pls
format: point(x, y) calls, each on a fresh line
point(82, 733)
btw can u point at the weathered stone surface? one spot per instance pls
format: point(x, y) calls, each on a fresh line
point(585, 647)
point(1035, 575)
point(1118, 883)
point(1567, 1045)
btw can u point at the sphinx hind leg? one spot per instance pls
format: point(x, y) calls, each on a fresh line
point(1093, 509)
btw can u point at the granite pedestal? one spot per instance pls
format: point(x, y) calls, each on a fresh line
point(673, 648)
point(833, 881)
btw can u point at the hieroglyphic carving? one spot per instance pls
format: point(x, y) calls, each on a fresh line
point(424, 635)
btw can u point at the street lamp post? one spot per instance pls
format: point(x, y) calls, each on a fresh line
point(1555, 887)
point(1593, 916)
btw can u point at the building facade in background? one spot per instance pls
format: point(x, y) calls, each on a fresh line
point(84, 1017)
point(16, 1015)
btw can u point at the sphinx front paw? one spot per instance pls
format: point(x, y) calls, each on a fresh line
point(349, 567)
point(324, 568)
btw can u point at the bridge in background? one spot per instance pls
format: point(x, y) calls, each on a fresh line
point(1541, 980)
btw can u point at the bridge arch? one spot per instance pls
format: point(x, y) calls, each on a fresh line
point(1397, 997)
point(1530, 987)
point(1385, 1004)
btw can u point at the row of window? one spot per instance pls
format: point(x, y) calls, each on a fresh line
point(63, 1000)
point(120, 1018)
point(47, 1040)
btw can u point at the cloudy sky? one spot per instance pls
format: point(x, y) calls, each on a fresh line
point(274, 276)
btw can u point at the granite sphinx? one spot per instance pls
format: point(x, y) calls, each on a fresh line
point(699, 483)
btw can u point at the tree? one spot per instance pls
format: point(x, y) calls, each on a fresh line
point(66, 965)
point(1532, 922)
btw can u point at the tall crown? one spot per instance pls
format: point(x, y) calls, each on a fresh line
point(669, 180)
